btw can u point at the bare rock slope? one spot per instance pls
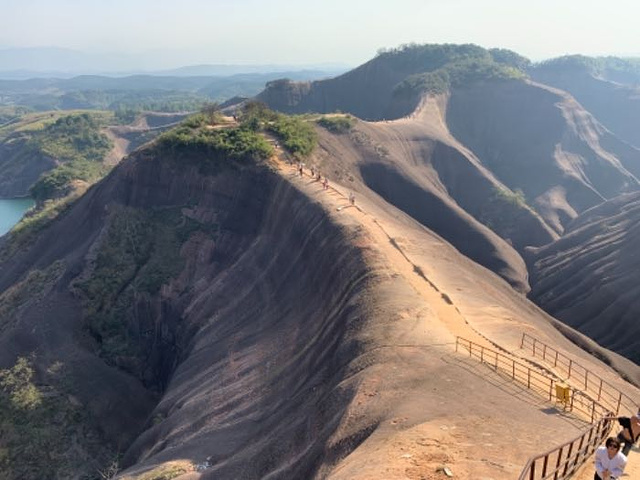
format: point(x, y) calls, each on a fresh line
point(588, 278)
point(287, 340)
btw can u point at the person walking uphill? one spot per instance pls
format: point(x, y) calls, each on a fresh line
point(610, 462)
point(630, 431)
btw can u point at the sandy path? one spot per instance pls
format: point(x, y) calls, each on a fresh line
point(336, 197)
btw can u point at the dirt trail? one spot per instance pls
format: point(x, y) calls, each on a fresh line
point(337, 199)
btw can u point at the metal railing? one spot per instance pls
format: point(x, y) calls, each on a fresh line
point(602, 391)
point(546, 386)
point(563, 460)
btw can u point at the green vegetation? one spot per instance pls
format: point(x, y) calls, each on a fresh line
point(32, 288)
point(125, 115)
point(139, 253)
point(413, 58)
point(457, 74)
point(626, 70)
point(76, 142)
point(156, 100)
point(59, 182)
point(294, 132)
point(215, 148)
point(11, 114)
point(16, 384)
point(202, 134)
point(40, 427)
point(515, 197)
point(32, 124)
point(510, 58)
point(73, 137)
point(337, 124)
point(211, 112)
point(505, 212)
point(437, 68)
point(297, 136)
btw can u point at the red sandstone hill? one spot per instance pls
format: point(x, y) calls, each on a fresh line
point(243, 322)
point(292, 341)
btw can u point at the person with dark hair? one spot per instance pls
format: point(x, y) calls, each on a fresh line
point(610, 462)
point(630, 431)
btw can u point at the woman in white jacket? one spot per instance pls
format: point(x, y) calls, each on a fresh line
point(610, 462)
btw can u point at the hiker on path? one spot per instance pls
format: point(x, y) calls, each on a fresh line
point(352, 198)
point(610, 461)
point(630, 431)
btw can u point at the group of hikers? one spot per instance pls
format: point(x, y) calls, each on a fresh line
point(317, 177)
point(611, 459)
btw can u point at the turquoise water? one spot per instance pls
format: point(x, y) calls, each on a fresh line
point(11, 212)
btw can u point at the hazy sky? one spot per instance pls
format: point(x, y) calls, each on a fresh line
point(303, 32)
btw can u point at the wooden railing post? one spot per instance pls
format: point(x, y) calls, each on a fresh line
point(555, 476)
point(586, 380)
point(600, 391)
point(566, 465)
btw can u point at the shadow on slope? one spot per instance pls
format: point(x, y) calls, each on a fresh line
point(542, 142)
point(414, 164)
point(612, 96)
point(230, 295)
point(588, 278)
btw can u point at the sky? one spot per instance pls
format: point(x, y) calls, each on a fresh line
point(186, 32)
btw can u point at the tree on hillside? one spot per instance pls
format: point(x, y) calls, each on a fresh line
point(212, 111)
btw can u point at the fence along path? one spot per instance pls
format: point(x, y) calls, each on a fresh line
point(580, 377)
point(564, 460)
point(608, 395)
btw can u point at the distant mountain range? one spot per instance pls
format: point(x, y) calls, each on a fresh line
point(54, 62)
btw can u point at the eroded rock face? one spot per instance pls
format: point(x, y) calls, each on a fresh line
point(613, 99)
point(588, 278)
point(366, 92)
point(544, 143)
point(250, 327)
point(20, 167)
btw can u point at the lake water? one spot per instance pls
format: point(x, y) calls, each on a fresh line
point(11, 212)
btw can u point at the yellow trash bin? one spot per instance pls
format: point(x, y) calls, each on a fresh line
point(563, 393)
